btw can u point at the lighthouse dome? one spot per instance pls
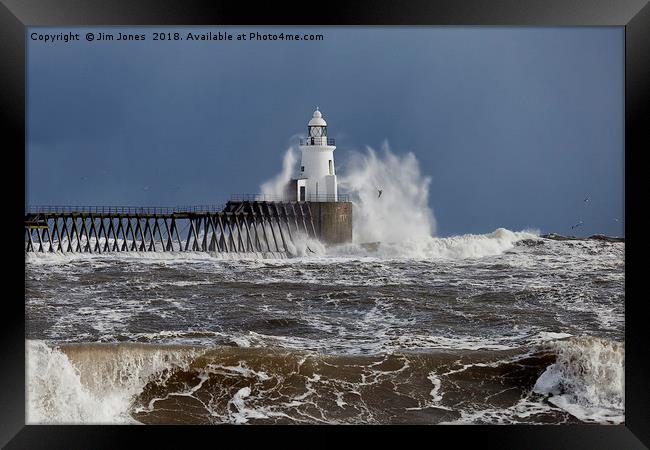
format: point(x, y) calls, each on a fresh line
point(317, 120)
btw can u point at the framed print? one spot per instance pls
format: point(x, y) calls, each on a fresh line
point(344, 215)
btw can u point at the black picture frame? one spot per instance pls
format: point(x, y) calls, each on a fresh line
point(634, 15)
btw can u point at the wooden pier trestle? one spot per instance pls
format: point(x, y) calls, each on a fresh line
point(239, 227)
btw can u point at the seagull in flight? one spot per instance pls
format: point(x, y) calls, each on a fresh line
point(586, 199)
point(379, 191)
point(577, 225)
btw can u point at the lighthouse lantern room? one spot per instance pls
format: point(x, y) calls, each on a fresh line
point(316, 181)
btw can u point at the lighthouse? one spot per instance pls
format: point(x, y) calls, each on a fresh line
point(315, 189)
point(316, 181)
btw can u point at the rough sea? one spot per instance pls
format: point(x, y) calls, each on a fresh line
point(500, 328)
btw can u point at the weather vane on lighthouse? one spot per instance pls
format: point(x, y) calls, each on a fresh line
point(316, 181)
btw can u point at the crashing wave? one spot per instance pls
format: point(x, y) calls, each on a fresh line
point(93, 383)
point(587, 379)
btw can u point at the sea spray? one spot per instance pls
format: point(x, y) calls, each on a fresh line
point(275, 187)
point(402, 211)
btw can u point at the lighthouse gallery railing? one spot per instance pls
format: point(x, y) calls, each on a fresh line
point(317, 141)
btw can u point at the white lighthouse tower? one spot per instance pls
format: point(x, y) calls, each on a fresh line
point(317, 179)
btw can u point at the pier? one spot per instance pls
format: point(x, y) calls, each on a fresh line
point(309, 207)
point(241, 226)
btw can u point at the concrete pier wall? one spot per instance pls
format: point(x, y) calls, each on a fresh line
point(332, 221)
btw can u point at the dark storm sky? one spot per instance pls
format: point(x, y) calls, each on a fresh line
point(515, 126)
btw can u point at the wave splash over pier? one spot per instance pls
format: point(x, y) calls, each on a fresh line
point(400, 211)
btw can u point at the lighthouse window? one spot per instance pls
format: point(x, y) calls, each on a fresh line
point(317, 131)
point(331, 168)
point(302, 168)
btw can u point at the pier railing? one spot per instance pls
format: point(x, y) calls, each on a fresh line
point(122, 209)
point(328, 198)
point(284, 198)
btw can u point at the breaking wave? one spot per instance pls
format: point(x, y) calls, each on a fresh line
point(454, 247)
point(587, 379)
point(93, 383)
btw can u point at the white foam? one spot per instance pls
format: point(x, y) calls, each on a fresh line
point(436, 396)
point(144, 257)
point(244, 413)
point(520, 412)
point(544, 336)
point(457, 342)
point(454, 247)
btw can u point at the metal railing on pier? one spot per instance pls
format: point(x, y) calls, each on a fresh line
point(328, 198)
point(122, 209)
point(199, 208)
point(284, 198)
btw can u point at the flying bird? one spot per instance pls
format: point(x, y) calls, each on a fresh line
point(586, 199)
point(577, 225)
point(379, 191)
